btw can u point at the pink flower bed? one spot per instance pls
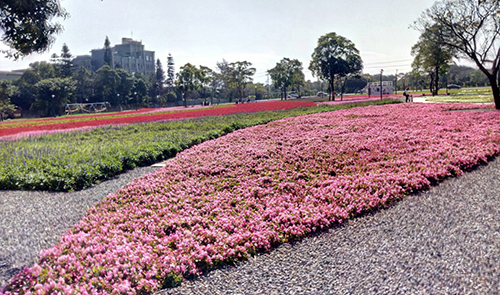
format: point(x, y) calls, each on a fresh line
point(228, 198)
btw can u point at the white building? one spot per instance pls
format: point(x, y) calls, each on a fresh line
point(374, 88)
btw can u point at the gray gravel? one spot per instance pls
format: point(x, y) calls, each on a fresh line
point(442, 241)
point(32, 221)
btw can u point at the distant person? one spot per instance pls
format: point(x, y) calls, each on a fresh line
point(407, 94)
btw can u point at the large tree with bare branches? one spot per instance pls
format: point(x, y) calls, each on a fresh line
point(472, 28)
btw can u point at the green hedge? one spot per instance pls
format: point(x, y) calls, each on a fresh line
point(75, 161)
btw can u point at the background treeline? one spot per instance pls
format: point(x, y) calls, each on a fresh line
point(47, 87)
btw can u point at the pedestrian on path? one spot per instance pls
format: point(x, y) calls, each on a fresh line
point(407, 94)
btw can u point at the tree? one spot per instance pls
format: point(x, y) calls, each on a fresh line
point(158, 81)
point(108, 57)
point(160, 74)
point(6, 107)
point(216, 84)
point(84, 85)
point(125, 87)
point(140, 91)
point(354, 83)
point(347, 81)
point(27, 25)
point(170, 72)
point(106, 83)
point(279, 76)
point(53, 95)
point(241, 74)
point(224, 79)
point(42, 70)
point(187, 80)
point(286, 73)
point(431, 57)
point(298, 79)
point(64, 61)
point(472, 28)
point(335, 56)
point(25, 92)
point(206, 76)
point(257, 89)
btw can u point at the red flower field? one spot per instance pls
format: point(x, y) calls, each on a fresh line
point(11, 129)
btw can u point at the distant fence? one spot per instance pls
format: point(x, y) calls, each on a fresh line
point(90, 107)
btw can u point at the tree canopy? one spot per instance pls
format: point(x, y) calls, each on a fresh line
point(335, 56)
point(6, 107)
point(431, 58)
point(472, 28)
point(64, 61)
point(108, 56)
point(187, 80)
point(286, 73)
point(241, 73)
point(53, 95)
point(170, 72)
point(27, 25)
point(107, 81)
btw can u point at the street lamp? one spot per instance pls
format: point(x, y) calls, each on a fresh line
point(381, 71)
point(396, 86)
point(53, 95)
point(136, 102)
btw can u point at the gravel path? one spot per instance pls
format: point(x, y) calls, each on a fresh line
point(442, 241)
point(32, 221)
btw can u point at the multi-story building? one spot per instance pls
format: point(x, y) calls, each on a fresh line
point(11, 75)
point(84, 61)
point(129, 55)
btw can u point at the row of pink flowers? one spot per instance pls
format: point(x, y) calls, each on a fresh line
point(228, 198)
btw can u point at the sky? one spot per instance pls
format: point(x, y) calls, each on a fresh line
point(204, 32)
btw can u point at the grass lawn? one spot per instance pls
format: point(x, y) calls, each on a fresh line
point(464, 95)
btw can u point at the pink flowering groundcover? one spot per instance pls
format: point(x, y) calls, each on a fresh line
point(229, 198)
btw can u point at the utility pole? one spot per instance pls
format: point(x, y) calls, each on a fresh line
point(396, 84)
point(381, 71)
point(268, 87)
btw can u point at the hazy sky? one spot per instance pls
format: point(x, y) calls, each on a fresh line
point(204, 32)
